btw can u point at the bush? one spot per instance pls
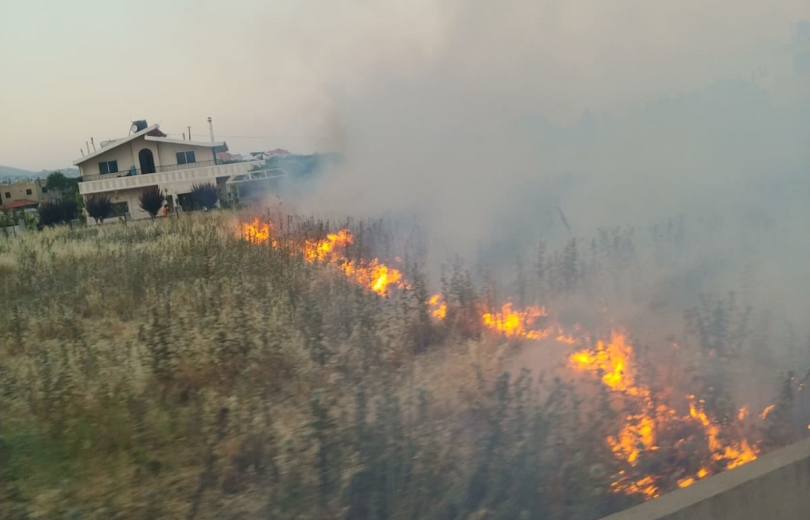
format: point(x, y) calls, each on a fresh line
point(204, 195)
point(99, 207)
point(151, 200)
point(55, 212)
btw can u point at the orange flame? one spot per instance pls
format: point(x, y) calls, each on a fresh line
point(374, 275)
point(438, 307)
point(513, 323)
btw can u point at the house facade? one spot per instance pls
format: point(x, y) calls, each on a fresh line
point(123, 168)
point(22, 194)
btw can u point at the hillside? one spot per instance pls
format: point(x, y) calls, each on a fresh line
point(9, 173)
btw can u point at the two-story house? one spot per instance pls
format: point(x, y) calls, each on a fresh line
point(125, 167)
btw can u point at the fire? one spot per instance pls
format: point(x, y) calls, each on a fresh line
point(514, 323)
point(766, 412)
point(613, 360)
point(256, 232)
point(438, 308)
point(734, 454)
point(374, 275)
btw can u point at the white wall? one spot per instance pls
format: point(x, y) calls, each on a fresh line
point(168, 152)
point(122, 154)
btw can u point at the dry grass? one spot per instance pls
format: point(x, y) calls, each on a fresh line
point(171, 370)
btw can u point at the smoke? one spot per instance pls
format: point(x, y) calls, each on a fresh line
point(494, 121)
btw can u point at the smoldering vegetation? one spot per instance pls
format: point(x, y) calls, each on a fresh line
point(180, 369)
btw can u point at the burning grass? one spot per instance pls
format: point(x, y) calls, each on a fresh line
point(206, 368)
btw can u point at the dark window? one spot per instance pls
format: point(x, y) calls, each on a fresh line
point(186, 158)
point(119, 208)
point(28, 191)
point(44, 190)
point(8, 194)
point(108, 167)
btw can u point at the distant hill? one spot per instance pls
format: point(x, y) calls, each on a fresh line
point(9, 173)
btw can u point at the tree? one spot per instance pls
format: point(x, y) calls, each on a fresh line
point(59, 183)
point(99, 207)
point(205, 195)
point(57, 211)
point(151, 200)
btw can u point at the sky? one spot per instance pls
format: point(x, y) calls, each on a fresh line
point(295, 74)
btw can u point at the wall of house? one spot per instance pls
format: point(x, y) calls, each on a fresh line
point(131, 197)
point(122, 154)
point(168, 152)
point(19, 191)
point(774, 487)
point(139, 144)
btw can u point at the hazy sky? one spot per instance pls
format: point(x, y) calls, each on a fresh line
point(280, 71)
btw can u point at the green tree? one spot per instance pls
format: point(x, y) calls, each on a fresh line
point(61, 184)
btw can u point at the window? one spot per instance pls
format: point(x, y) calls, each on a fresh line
point(186, 158)
point(108, 167)
point(28, 191)
point(8, 194)
point(120, 208)
point(44, 190)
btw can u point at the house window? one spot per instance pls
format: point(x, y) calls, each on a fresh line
point(44, 190)
point(28, 191)
point(8, 194)
point(186, 158)
point(120, 208)
point(108, 167)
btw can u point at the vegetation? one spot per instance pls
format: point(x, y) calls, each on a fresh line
point(99, 207)
point(178, 370)
point(205, 195)
point(57, 211)
point(151, 200)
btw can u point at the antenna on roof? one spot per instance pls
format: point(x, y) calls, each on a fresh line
point(88, 147)
point(94, 144)
point(80, 149)
point(189, 133)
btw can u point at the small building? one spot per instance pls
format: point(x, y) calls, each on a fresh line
point(123, 168)
point(22, 194)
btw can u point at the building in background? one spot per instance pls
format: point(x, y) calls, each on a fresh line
point(123, 168)
point(22, 194)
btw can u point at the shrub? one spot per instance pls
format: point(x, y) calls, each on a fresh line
point(99, 207)
point(151, 200)
point(54, 212)
point(204, 195)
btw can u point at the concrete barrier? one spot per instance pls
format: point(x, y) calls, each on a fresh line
point(773, 487)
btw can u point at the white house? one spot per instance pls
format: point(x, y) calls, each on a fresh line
point(124, 167)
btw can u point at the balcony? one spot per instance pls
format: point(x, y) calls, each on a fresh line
point(177, 176)
point(158, 169)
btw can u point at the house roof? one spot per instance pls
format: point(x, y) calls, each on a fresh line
point(149, 131)
point(182, 141)
point(23, 203)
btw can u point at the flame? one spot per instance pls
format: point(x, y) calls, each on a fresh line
point(438, 307)
point(257, 232)
point(374, 275)
point(734, 454)
point(515, 323)
point(612, 360)
point(766, 412)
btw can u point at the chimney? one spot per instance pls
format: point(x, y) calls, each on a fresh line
point(211, 128)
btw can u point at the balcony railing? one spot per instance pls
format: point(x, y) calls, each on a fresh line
point(158, 169)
